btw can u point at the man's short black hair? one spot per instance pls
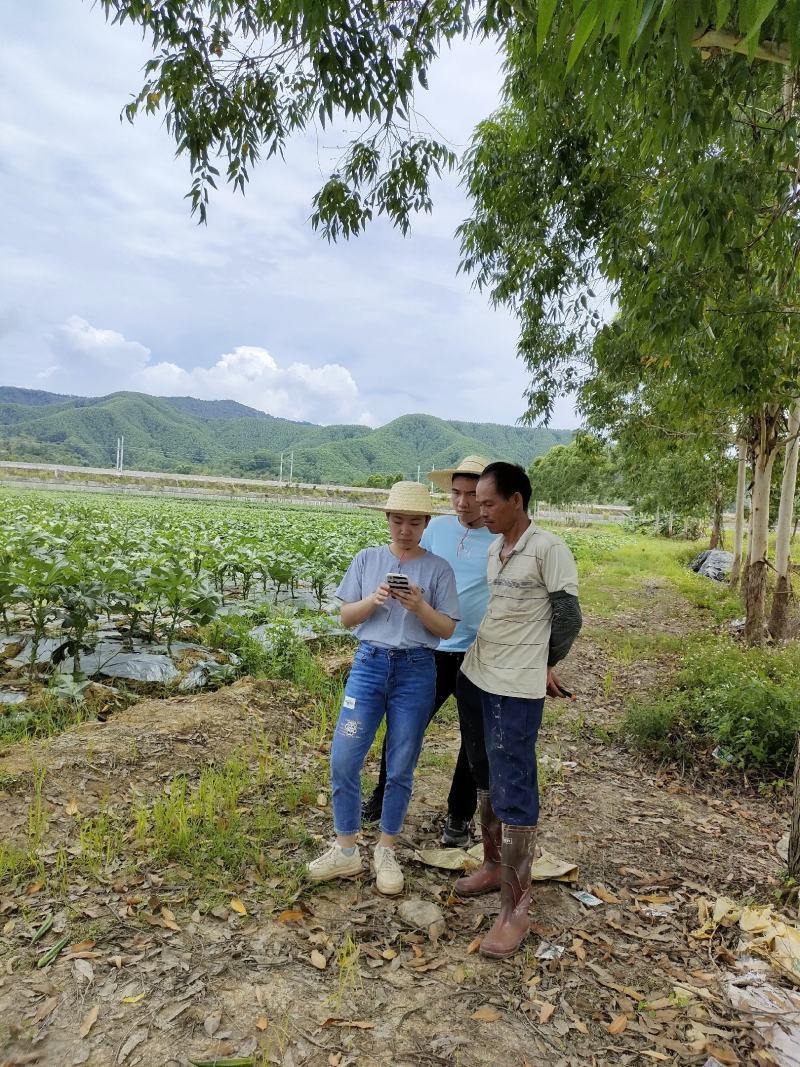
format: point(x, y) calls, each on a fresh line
point(465, 474)
point(510, 478)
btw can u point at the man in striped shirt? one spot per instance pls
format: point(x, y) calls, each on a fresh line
point(532, 619)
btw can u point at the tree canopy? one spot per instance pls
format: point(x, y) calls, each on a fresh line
point(234, 79)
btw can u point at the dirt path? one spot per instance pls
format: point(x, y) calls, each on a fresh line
point(166, 970)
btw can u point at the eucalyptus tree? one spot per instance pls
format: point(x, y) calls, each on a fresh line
point(235, 79)
point(668, 191)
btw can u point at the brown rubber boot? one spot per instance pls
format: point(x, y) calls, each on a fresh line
point(511, 925)
point(487, 877)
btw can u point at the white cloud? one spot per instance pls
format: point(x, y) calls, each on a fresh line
point(106, 347)
point(252, 376)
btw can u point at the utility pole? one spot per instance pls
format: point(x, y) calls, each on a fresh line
point(121, 452)
point(291, 467)
point(280, 476)
point(116, 461)
point(419, 469)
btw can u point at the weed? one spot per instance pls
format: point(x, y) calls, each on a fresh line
point(608, 684)
point(348, 976)
point(742, 701)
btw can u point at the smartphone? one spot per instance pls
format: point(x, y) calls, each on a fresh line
point(398, 581)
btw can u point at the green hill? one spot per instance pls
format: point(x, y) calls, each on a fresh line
point(186, 435)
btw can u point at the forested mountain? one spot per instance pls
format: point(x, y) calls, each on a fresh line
point(186, 435)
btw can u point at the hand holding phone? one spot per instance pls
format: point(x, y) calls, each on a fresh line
point(398, 582)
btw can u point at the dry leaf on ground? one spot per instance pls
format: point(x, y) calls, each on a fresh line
point(318, 960)
point(486, 1014)
point(89, 1019)
point(238, 906)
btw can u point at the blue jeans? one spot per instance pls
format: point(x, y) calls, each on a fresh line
point(499, 734)
point(398, 683)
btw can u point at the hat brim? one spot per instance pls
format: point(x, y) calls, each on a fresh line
point(443, 479)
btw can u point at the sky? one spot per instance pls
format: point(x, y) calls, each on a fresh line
point(107, 283)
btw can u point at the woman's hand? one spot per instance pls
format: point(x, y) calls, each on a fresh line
point(360, 611)
point(380, 596)
point(410, 598)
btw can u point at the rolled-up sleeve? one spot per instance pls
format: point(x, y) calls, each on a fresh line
point(565, 627)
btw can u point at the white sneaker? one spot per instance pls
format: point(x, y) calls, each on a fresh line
point(389, 877)
point(334, 863)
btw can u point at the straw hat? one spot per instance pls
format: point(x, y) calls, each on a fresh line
point(474, 465)
point(407, 498)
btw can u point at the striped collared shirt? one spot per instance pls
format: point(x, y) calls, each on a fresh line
point(509, 656)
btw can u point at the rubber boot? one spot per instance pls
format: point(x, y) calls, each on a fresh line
point(487, 877)
point(511, 925)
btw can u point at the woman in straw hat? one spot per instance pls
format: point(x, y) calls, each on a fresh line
point(462, 539)
point(393, 676)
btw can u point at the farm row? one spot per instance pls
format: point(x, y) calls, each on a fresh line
point(158, 566)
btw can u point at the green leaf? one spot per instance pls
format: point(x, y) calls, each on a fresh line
point(544, 18)
point(583, 30)
point(754, 33)
point(628, 19)
point(686, 24)
point(723, 10)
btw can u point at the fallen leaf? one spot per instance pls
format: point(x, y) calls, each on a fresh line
point(388, 954)
point(291, 915)
point(211, 1023)
point(89, 1019)
point(134, 999)
point(84, 969)
point(354, 1023)
point(474, 945)
point(334, 1059)
point(44, 1009)
point(617, 1024)
point(605, 894)
point(72, 807)
point(237, 906)
point(261, 1022)
point(486, 1014)
point(318, 960)
point(545, 1012)
point(653, 1055)
point(136, 1038)
point(169, 919)
point(722, 1053)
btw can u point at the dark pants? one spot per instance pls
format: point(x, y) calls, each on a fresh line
point(462, 799)
point(499, 735)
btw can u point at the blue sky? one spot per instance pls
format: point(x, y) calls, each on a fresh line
point(107, 283)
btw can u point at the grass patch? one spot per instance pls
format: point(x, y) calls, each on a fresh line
point(628, 648)
point(43, 715)
point(742, 703)
point(613, 565)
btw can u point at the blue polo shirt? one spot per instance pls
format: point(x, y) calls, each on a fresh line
point(466, 551)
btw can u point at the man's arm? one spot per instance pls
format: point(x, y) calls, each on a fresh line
point(565, 627)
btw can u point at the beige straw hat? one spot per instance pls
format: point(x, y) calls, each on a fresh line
point(443, 479)
point(407, 498)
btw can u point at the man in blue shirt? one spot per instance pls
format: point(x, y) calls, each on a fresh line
point(463, 540)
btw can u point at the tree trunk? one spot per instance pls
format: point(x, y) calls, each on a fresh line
point(763, 460)
point(794, 833)
point(783, 586)
point(738, 532)
point(717, 527)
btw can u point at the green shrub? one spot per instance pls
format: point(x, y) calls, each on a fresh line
point(744, 703)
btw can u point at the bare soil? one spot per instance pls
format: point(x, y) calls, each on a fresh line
point(337, 978)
